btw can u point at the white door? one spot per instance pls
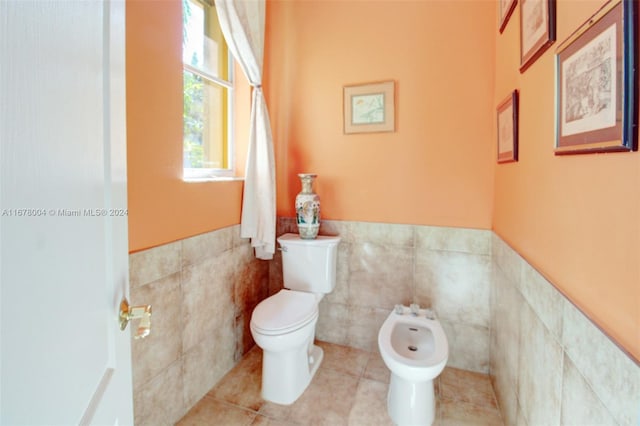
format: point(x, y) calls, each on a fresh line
point(63, 227)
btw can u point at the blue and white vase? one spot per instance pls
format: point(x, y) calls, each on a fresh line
point(307, 208)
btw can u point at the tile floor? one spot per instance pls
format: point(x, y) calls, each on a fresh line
point(350, 388)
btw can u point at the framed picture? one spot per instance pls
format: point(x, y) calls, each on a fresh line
point(596, 84)
point(506, 9)
point(369, 107)
point(508, 129)
point(537, 29)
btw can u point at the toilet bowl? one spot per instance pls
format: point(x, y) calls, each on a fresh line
point(283, 325)
point(414, 347)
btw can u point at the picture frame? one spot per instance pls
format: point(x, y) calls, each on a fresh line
point(596, 84)
point(537, 30)
point(507, 121)
point(506, 8)
point(369, 107)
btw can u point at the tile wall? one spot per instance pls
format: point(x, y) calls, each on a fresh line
point(203, 290)
point(549, 364)
point(379, 265)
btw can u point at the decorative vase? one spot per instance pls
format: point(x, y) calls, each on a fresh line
point(307, 208)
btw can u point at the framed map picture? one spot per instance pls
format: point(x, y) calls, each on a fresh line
point(596, 84)
point(506, 10)
point(369, 107)
point(508, 129)
point(537, 29)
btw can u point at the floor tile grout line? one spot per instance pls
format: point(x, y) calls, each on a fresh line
point(232, 405)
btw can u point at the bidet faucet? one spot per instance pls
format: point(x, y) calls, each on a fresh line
point(415, 309)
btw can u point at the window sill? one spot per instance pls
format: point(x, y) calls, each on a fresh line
point(213, 179)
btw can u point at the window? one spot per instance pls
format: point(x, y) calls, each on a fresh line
point(208, 89)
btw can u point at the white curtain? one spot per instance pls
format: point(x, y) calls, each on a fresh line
point(242, 23)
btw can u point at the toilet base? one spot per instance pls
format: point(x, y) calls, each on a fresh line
point(286, 375)
point(411, 403)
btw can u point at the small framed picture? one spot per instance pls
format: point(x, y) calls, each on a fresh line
point(596, 84)
point(537, 29)
point(508, 129)
point(369, 107)
point(506, 10)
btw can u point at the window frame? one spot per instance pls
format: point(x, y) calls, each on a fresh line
point(203, 173)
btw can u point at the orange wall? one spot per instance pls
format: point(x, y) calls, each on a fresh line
point(436, 168)
point(575, 218)
point(163, 208)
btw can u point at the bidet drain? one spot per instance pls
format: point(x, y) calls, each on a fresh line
point(412, 348)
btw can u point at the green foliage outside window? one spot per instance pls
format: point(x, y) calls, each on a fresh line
point(193, 111)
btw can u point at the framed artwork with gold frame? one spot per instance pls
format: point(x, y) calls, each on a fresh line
point(369, 107)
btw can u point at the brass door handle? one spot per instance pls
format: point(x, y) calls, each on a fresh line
point(142, 312)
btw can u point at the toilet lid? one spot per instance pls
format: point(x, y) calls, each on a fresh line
point(285, 310)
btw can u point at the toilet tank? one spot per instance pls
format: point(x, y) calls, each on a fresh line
point(309, 265)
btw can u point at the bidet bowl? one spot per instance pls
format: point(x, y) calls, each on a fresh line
point(416, 350)
point(413, 348)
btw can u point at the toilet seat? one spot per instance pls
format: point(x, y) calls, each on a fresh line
point(284, 312)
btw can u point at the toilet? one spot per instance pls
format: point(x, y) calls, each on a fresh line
point(284, 325)
point(414, 347)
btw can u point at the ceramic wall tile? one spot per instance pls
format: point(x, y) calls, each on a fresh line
point(382, 234)
point(463, 240)
point(540, 379)
point(505, 258)
point(251, 280)
point(285, 225)
point(150, 265)
point(340, 293)
point(236, 239)
point(456, 285)
point(207, 297)
point(617, 385)
point(207, 362)
point(160, 403)
point(468, 346)
point(332, 227)
point(580, 405)
point(197, 370)
point(275, 274)
point(506, 397)
point(207, 245)
point(545, 300)
point(333, 323)
point(363, 326)
point(505, 331)
point(164, 345)
point(568, 371)
point(380, 276)
point(520, 419)
point(205, 304)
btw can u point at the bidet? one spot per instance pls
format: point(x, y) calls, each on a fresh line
point(414, 347)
